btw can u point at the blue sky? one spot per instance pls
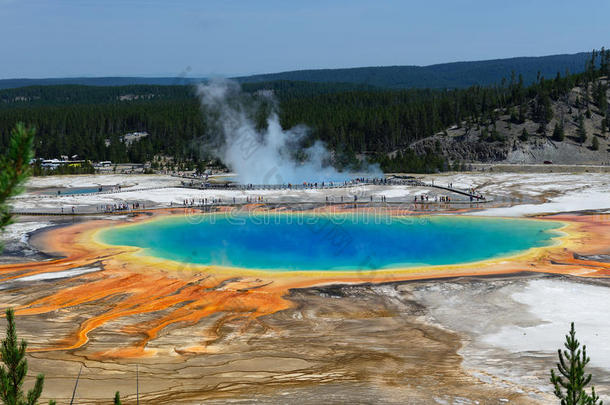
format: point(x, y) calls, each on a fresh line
point(61, 38)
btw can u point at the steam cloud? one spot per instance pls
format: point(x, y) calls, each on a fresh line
point(265, 156)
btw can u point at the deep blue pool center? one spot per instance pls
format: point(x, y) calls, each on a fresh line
point(341, 242)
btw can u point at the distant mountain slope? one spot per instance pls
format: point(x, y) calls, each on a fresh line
point(445, 75)
point(97, 81)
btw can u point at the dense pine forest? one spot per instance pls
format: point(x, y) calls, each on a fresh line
point(353, 120)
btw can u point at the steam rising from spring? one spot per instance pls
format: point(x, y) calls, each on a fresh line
point(264, 156)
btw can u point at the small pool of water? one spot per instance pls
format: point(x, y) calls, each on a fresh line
point(77, 190)
point(289, 242)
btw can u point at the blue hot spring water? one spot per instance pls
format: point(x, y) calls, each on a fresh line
point(297, 242)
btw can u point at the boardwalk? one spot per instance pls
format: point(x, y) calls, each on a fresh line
point(358, 193)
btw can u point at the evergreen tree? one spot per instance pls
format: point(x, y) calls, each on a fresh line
point(117, 398)
point(571, 381)
point(484, 134)
point(14, 169)
point(558, 133)
point(581, 131)
point(495, 136)
point(14, 371)
point(600, 98)
point(543, 112)
point(513, 116)
point(524, 135)
point(522, 113)
point(595, 143)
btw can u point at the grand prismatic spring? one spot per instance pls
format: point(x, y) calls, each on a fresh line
point(298, 302)
point(351, 241)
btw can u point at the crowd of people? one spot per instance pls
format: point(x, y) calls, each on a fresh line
point(123, 206)
point(470, 192)
point(426, 198)
point(192, 202)
point(310, 185)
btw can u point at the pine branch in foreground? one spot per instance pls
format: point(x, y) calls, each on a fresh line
point(14, 371)
point(571, 380)
point(15, 168)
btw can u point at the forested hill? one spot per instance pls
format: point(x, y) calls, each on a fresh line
point(97, 81)
point(445, 75)
point(70, 94)
point(406, 130)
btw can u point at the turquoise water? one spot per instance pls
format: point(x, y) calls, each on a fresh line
point(288, 242)
point(79, 190)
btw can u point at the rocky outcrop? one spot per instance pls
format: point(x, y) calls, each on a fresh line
point(507, 145)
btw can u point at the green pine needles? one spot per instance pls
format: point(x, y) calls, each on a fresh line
point(12, 374)
point(15, 168)
point(571, 381)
